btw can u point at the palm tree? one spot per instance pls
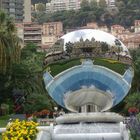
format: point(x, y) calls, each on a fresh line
point(9, 43)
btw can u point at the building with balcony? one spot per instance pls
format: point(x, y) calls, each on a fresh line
point(52, 31)
point(19, 10)
point(110, 3)
point(48, 41)
point(133, 41)
point(60, 5)
point(32, 34)
point(52, 28)
point(117, 29)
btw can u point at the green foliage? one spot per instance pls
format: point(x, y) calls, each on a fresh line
point(37, 102)
point(85, 5)
point(88, 12)
point(113, 65)
point(133, 100)
point(128, 11)
point(58, 67)
point(134, 135)
point(125, 13)
point(9, 44)
point(26, 76)
point(102, 3)
point(40, 7)
point(136, 61)
point(20, 69)
point(4, 120)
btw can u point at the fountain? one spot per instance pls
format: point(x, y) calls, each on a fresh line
point(94, 73)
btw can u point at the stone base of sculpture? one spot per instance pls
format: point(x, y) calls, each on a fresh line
point(87, 126)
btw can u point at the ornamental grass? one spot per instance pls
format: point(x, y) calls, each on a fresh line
point(21, 130)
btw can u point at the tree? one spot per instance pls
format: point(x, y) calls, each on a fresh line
point(9, 44)
point(104, 47)
point(102, 3)
point(40, 7)
point(93, 5)
point(69, 47)
point(136, 65)
point(85, 6)
point(37, 102)
point(133, 100)
point(118, 48)
point(27, 77)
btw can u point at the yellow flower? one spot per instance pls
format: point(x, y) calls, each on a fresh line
point(20, 130)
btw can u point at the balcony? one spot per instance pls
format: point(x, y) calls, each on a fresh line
point(32, 33)
point(32, 38)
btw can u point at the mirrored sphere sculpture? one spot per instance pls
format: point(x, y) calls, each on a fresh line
point(88, 67)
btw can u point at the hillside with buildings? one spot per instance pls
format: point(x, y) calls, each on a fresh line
point(61, 17)
point(23, 60)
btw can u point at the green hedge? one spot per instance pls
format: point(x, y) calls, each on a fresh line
point(58, 67)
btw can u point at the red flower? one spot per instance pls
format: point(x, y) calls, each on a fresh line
point(133, 110)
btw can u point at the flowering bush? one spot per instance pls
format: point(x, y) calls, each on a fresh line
point(20, 130)
point(133, 110)
point(43, 113)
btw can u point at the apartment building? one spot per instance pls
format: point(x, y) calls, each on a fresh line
point(60, 5)
point(117, 29)
point(56, 5)
point(52, 31)
point(33, 34)
point(19, 10)
point(27, 10)
point(133, 42)
point(73, 4)
point(111, 3)
point(52, 28)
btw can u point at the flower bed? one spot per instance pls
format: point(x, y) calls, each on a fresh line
point(21, 130)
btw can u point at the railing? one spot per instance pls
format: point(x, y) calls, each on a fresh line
point(45, 121)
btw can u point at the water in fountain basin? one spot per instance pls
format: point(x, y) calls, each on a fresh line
point(88, 131)
point(87, 128)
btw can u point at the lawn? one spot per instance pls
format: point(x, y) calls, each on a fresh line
point(111, 64)
point(58, 67)
point(3, 122)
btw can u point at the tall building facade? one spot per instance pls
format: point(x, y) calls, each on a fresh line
point(19, 10)
point(27, 11)
point(32, 34)
point(73, 4)
point(60, 5)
